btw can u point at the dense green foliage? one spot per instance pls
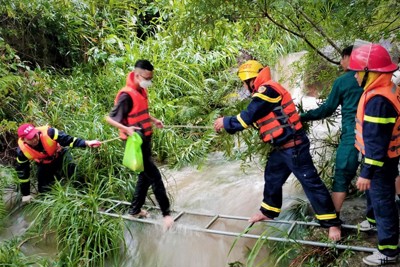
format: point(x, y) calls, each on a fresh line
point(62, 62)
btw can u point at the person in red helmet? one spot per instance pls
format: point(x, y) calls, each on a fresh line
point(274, 114)
point(378, 140)
point(46, 146)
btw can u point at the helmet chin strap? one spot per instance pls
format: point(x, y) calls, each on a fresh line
point(365, 78)
point(248, 86)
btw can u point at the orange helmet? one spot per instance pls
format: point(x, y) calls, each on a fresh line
point(249, 69)
point(371, 57)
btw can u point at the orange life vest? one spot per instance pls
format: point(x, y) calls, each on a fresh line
point(51, 147)
point(391, 93)
point(270, 126)
point(139, 115)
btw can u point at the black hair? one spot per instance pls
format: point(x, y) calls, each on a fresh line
point(144, 65)
point(347, 51)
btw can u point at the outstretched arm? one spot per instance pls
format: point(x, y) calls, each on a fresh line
point(327, 108)
point(157, 122)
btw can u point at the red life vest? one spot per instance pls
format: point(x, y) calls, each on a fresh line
point(391, 93)
point(51, 147)
point(139, 115)
point(271, 126)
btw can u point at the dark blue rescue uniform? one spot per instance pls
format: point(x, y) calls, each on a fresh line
point(61, 166)
point(380, 203)
point(291, 154)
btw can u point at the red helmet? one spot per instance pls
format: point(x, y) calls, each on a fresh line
point(371, 57)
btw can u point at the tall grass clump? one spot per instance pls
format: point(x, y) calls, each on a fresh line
point(84, 237)
point(11, 255)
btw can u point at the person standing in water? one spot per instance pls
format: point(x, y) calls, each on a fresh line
point(129, 114)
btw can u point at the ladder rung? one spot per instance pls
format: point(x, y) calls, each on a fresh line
point(245, 233)
point(113, 207)
point(291, 228)
point(179, 215)
point(212, 221)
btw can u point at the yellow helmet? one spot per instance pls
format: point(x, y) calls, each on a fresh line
point(249, 69)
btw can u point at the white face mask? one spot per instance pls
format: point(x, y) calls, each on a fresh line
point(145, 84)
point(243, 93)
point(396, 77)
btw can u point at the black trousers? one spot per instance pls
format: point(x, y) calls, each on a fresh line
point(151, 176)
point(62, 166)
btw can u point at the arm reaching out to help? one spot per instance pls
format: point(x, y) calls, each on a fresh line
point(93, 143)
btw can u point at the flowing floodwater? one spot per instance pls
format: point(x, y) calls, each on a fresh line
point(219, 187)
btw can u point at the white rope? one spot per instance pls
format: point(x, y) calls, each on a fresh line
point(189, 126)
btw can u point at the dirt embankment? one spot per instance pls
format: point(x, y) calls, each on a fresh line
point(353, 212)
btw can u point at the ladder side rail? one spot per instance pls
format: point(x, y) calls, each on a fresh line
point(271, 238)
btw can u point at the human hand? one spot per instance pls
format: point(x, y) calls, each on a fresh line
point(93, 143)
point(159, 124)
point(131, 129)
point(363, 184)
point(219, 124)
point(26, 199)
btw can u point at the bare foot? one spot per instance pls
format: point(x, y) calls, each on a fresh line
point(258, 217)
point(168, 222)
point(141, 214)
point(334, 233)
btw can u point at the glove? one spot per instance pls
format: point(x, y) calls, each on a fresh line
point(93, 143)
point(27, 199)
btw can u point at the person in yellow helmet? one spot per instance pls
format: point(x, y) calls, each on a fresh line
point(274, 114)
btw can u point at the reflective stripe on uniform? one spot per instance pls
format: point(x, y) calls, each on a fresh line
point(373, 162)
point(21, 181)
point(72, 143)
point(326, 216)
point(371, 220)
point(21, 161)
point(382, 247)
point(268, 207)
point(379, 119)
point(267, 98)
point(244, 125)
point(55, 134)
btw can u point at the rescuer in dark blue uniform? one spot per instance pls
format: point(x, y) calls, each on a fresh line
point(273, 112)
point(378, 140)
point(46, 146)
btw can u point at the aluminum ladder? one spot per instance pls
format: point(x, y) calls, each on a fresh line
point(114, 205)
